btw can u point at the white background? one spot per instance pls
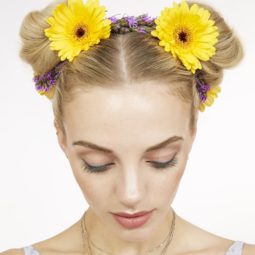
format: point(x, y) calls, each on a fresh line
point(38, 194)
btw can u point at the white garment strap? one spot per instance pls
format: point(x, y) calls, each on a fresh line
point(29, 250)
point(236, 248)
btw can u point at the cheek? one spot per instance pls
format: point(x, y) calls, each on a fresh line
point(94, 194)
point(90, 184)
point(98, 195)
point(169, 185)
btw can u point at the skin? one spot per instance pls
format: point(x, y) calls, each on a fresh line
point(128, 121)
point(139, 119)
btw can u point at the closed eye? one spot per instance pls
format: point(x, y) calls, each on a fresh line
point(169, 163)
point(156, 164)
point(96, 169)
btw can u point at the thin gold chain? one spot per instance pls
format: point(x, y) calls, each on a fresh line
point(85, 236)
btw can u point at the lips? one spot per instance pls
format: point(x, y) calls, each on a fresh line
point(132, 215)
point(132, 220)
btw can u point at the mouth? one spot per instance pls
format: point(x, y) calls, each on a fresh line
point(129, 215)
point(131, 221)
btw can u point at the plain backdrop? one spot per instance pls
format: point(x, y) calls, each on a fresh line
point(38, 193)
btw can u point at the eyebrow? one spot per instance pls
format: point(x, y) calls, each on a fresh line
point(103, 149)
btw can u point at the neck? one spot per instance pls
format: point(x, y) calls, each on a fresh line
point(108, 236)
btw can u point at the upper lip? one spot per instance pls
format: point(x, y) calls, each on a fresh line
point(123, 214)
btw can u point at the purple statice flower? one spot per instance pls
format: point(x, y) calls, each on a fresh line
point(36, 79)
point(202, 88)
point(38, 87)
point(116, 27)
point(141, 30)
point(45, 82)
point(124, 30)
point(132, 21)
point(48, 75)
point(52, 82)
point(113, 19)
point(146, 18)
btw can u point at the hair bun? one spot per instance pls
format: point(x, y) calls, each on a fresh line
point(35, 45)
point(229, 51)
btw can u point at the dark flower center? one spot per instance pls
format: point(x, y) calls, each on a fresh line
point(183, 36)
point(80, 32)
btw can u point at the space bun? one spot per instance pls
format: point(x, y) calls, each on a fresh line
point(127, 58)
point(229, 51)
point(35, 45)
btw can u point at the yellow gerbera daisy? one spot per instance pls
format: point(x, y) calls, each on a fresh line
point(76, 26)
point(210, 97)
point(187, 33)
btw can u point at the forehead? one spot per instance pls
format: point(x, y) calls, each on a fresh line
point(147, 110)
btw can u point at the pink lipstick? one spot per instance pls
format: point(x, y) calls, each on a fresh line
point(132, 220)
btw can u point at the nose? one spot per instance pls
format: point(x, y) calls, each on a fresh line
point(130, 187)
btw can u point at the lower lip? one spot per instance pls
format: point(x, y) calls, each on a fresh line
point(134, 222)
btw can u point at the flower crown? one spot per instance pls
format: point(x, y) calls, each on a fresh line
point(187, 33)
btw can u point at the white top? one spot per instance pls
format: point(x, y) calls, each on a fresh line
point(235, 249)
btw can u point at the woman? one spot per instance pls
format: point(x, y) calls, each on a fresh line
point(126, 94)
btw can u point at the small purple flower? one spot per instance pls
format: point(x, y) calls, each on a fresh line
point(48, 76)
point(132, 21)
point(202, 88)
point(124, 30)
point(36, 79)
point(52, 82)
point(146, 18)
point(39, 87)
point(113, 19)
point(43, 83)
point(141, 30)
point(205, 88)
point(116, 27)
point(202, 97)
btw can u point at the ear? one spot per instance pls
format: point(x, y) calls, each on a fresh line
point(61, 138)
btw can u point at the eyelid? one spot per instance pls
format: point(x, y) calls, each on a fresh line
point(156, 164)
point(149, 161)
point(98, 166)
point(162, 165)
point(162, 162)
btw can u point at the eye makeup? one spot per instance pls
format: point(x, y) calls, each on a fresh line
point(162, 165)
point(155, 164)
point(95, 169)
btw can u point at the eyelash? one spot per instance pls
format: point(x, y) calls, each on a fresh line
point(157, 165)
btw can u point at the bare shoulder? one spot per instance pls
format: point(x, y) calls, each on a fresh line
point(198, 241)
point(13, 252)
point(42, 251)
point(249, 249)
point(65, 242)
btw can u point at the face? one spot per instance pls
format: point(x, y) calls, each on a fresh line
point(128, 148)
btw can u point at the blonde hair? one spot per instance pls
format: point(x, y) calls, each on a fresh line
point(124, 59)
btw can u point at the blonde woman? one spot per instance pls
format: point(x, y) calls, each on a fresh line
point(126, 93)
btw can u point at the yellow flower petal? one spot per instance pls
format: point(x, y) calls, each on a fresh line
point(210, 97)
point(76, 26)
point(188, 33)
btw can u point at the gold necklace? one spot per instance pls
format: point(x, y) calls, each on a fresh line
point(168, 239)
